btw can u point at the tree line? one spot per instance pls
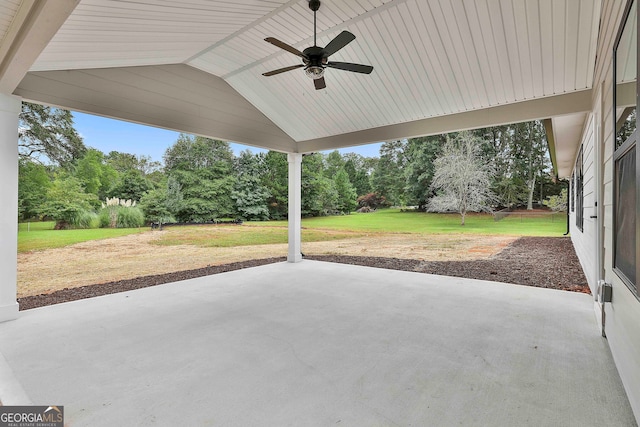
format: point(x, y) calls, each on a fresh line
point(202, 180)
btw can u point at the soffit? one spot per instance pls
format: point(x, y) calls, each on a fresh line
point(567, 132)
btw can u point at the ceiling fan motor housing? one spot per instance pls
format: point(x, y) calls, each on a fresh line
point(315, 61)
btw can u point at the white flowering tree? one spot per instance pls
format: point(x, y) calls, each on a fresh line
point(462, 178)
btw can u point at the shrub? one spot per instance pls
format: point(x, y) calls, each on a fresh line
point(154, 205)
point(104, 216)
point(86, 219)
point(372, 200)
point(129, 217)
point(557, 203)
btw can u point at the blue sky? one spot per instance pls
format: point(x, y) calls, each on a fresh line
point(114, 135)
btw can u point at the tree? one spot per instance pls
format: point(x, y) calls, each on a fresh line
point(130, 185)
point(154, 206)
point(359, 169)
point(47, 132)
point(388, 178)
point(319, 195)
point(95, 175)
point(33, 183)
point(333, 164)
point(174, 196)
point(162, 204)
point(340, 186)
point(66, 201)
point(204, 169)
point(345, 191)
point(124, 162)
point(529, 154)
point(275, 178)
point(420, 155)
point(249, 193)
point(462, 179)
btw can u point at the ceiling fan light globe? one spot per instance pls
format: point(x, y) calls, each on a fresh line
point(315, 72)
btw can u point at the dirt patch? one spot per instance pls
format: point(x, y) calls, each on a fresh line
point(533, 261)
point(137, 255)
point(438, 247)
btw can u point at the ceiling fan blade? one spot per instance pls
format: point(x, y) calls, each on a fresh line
point(347, 66)
point(319, 83)
point(341, 40)
point(283, 45)
point(282, 70)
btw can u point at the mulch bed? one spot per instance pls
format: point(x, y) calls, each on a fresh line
point(546, 262)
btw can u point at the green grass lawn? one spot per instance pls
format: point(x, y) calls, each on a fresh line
point(262, 233)
point(395, 221)
point(42, 236)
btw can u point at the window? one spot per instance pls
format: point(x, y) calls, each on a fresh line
point(626, 177)
point(579, 203)
point(572, 199)
point(625, 214)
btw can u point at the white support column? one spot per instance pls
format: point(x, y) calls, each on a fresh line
point(295, 207)
point(9, 111)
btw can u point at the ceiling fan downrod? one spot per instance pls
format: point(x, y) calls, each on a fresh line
point(314, 5)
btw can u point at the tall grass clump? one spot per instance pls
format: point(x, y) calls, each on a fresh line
point(120, 213)
point(130, 217)
point(86, 219)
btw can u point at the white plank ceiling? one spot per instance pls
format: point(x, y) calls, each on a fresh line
point(431, 58)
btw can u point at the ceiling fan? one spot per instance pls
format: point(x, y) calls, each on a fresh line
point(315, 59)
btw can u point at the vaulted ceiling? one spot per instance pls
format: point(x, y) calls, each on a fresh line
point(196, 65)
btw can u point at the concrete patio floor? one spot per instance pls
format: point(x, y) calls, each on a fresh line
point(317, 344)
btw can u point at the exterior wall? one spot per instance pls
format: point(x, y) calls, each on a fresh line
point(585, 241)
point(622, 315)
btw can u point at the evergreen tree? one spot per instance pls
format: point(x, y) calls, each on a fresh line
point(358, 168)
point(347, 197)
point(249, 193)
point(420, 154)
point(388, 178)
point(333, 164)
point(319, 195)
point(204, 169)
point(174, 196)
point(275, 178)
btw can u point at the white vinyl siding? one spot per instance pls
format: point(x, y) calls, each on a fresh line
point(585, 241)
point(623, 314)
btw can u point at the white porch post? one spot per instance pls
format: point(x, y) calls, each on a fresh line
point(9, 110)
point(295, 207)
